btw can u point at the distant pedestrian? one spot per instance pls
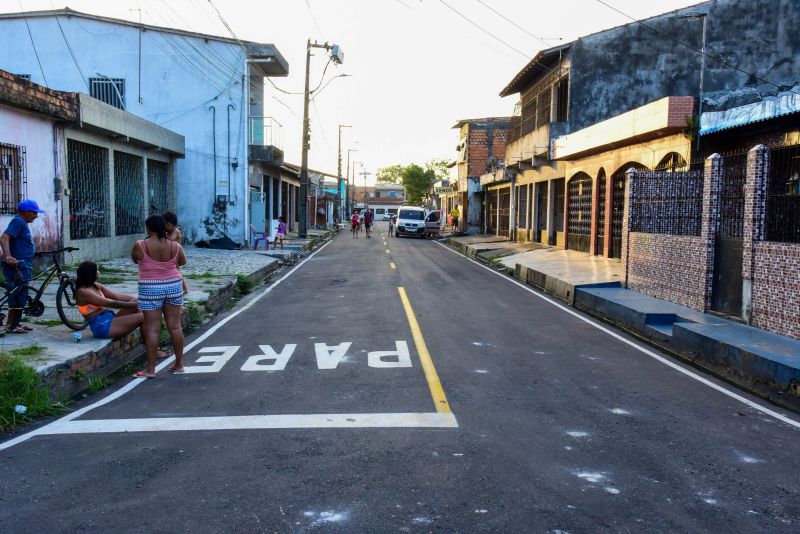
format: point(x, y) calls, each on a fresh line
point(454, 213)
point(391, 225)
point(368, 222)
point(18, 252)
point(281, 232)
point(160, 291)
point(174, 234)
point(354, 221)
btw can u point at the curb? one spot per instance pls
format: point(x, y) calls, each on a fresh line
point(73, 377)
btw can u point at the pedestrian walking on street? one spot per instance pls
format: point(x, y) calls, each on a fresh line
point(354, 220)
point(391, 225)
point(18, 252)
point(160, 291)
point(281, 232)
point(368, 222)
point(454, 214)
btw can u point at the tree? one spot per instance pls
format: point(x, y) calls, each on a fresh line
point(417, 182)
point(390, 175)
point(439, 168)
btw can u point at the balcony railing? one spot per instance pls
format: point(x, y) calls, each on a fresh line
point(266, 131)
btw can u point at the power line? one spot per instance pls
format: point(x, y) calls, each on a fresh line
point(678, 41)
point(490, 8)
point(484, 30)
point(32, 43)
point(308, 5)
point(71, 53)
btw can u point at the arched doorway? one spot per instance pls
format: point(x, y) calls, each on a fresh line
point(600, 223)
point(579, 212)
point(618, 206)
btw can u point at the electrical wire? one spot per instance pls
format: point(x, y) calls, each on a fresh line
point(490, 8)
point(35, 52)
point(71, 52)
point(308, 5)
point(484, 30)
point(699, 51)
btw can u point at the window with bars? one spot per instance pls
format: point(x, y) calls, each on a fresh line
point(128, 194)
point(108, 90)
point(88, 180)
point(13, 177)
point(24, 76)
point(161, 187)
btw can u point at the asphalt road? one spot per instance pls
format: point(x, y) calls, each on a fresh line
point(321, 407)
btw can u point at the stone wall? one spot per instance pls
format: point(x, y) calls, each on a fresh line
point(776, 287)
point(669, 267)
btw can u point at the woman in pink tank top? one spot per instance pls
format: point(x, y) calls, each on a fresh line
point(160, 291)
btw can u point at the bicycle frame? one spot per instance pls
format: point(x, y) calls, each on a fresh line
point(48, 274)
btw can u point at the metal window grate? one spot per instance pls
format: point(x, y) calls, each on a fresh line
point(108, 90)
point(128, 193)
point(731, 200)
point(87, 177)
point(522, 206)
point(161, 187)
point(13, 177)
point(783, 195)
point(24, 76)
point(600, 232)
point(579, 214)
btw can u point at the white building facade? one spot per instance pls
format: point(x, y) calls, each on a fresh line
point(207, 88)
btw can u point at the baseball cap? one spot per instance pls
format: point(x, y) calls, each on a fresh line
point(29, 205)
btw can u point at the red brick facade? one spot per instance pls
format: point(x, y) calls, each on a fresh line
point(24, 94)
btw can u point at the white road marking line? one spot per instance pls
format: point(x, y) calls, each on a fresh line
point(255, 422)
point(641, 349)
point(125, 389)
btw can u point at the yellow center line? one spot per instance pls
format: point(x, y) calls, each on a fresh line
point(439, 398)
point(392, 265)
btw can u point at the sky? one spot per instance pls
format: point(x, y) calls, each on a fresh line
point(415, 67)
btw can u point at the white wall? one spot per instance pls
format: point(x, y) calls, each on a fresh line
point(179, 83)
point(35, 133)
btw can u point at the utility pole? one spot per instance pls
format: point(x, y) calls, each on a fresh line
point(364, 173)
point(336, 56)
point(349, 205)
point(339, 205)
point(353, 189)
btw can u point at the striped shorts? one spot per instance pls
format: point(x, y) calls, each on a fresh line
point(153, 294)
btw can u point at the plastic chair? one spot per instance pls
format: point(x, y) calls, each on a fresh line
point(259, 236)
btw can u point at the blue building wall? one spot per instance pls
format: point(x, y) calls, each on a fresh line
point(182, 76)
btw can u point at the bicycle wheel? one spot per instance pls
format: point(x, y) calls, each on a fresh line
point(67, 306)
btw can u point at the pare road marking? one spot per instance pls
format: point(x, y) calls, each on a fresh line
point(328, 357)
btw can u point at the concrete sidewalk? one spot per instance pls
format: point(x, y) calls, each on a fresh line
point(763, 362)
point(211, 275)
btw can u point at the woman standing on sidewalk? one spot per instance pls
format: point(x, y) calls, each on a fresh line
point(160, 291)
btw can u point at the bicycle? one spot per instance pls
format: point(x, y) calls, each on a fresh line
point(66, 304)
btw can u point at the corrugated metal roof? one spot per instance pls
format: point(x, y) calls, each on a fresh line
point(769, 108)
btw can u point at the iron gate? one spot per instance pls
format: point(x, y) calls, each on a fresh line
point(87, 176)
point(726, 289)
point(128, 193)
point(600, 231)
point(579, 212)
point(491, 216)
point(541, 210)
point(504, 202)
point(617, 211)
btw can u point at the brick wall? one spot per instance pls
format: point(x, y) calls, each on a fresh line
point(477, 151)
point(669, 267)
point(24, 94)
point(776, 287)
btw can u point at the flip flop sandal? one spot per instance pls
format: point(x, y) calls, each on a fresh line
point(174, 369)
point(143, 374)
point(17, 330)
point(26, 328)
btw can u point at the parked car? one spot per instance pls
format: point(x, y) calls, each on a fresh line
point(410, 221)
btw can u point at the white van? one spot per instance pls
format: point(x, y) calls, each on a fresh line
point(412, 220)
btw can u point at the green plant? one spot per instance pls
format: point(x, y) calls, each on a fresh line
point(78, 375)
point(108, 269)
point(21, 385)
point(48, 322)
point(28, 351)
point(690, 131)
point(96, 384)
point(194, 315)
point(199, 276)
point(112, 280)
point(244, 284)
point(163, 336)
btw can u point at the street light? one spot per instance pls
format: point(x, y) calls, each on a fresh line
point(337, 57)
point(339, 205)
